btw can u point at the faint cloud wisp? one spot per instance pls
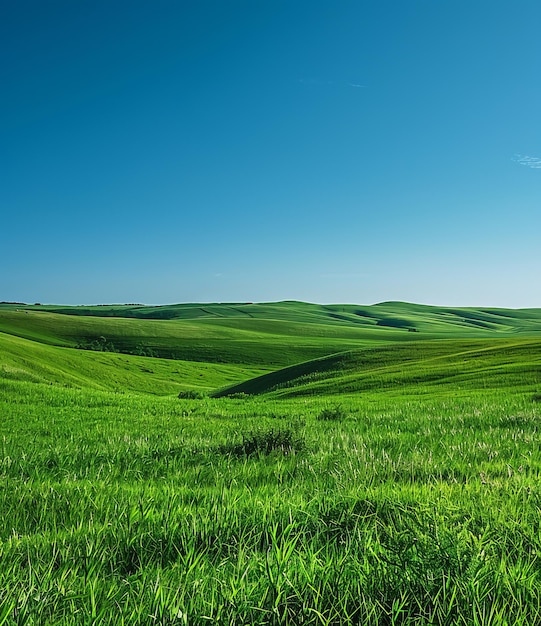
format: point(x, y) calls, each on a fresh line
point(528, 161)
point(316, 82)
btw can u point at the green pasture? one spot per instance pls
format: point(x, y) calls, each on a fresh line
point(269, 335)
point(430, 367)
point(262, 343)
point(32, 361)
point(385, 314)
point(358, 473)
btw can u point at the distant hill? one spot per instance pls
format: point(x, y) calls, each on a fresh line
point(279, 333)
point(388, 314)
point(400, 315)
point(308, 348)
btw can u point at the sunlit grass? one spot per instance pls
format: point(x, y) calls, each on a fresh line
point(392, 485)
point(136, 510)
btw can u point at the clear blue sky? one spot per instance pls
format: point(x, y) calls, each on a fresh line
point(240, 150)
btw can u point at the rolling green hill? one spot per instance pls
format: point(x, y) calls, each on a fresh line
point(30, 361)
point(263, 343)
point(284, 345)
point(419, 367)
point(268, 335)
point(385, 314)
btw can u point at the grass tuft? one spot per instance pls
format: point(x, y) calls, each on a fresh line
point(191, 394)
point(332, 414)
point(284, 439)
point(241, 395)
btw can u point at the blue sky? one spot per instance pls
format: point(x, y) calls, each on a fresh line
point(232, 150)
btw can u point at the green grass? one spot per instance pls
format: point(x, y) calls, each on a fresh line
point(454, 366)
point(131, 509)
point(269, 335)
point(260, 343)
point(391, 484)
point(386, 314)
point(32, 361)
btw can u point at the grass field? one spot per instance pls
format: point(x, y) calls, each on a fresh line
point(326, 471)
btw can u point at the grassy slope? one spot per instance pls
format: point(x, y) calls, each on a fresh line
point(266, 335)
point(257, 342)
point(451, 365)
point(25, 360)
point(401, 313)
point(247, 340)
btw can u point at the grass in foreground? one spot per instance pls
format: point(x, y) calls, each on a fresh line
point(130, 509)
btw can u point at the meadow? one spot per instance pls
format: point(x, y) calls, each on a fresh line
point(322, 465)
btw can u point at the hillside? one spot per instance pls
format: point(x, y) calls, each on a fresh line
point(283, 348)
point(29, 361)
point(400, 315)
point(419, 367)
point(268, 335)
point(262, 343)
